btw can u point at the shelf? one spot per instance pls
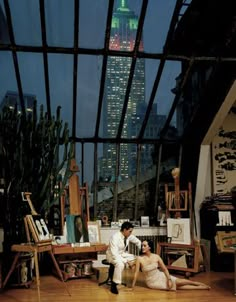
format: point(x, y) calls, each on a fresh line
point(76, 262)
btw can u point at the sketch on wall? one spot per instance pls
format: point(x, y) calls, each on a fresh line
point(224, 155)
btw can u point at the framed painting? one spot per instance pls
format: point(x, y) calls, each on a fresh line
point(178, 230)
point(226, 241)
point(38, 228)
point(183, 201)
point(94, 232)
point(41, 227)
point(135, 223)
point(76, 229)
point(115, 224)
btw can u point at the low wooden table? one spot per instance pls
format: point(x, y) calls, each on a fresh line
point(67, 253)
point(69, 249)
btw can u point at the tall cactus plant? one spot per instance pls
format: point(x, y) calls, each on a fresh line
point(33, 151)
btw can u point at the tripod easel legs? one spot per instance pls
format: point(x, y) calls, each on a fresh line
point(36, 263)
point(58, 270)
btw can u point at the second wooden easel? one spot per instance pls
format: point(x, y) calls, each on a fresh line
point(179, 202)
point(179, 205)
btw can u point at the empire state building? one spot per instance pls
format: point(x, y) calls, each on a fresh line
point(123, 34)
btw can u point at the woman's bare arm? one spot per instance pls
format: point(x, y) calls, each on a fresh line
point(165, 271)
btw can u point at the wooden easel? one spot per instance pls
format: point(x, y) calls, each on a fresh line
point(38, 246)
point(178, 203)
point(178, 200)
point(85, 199)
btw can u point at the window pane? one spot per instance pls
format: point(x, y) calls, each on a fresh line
point(92, 23)
point(59, 15)
point(157, 22)
point(32, 76)
point(164, 96)
point(7, 79)
point(26, 26)
point(4, 34)
point(89, 73)
point(60, 81)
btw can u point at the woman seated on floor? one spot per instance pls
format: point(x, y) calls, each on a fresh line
point(156, 274)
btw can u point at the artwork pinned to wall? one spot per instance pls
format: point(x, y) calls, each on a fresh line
point(224, 155)
point(178, 230)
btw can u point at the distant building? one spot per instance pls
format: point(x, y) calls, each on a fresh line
point(11, 99)
point(152, 131)
point(123, 35)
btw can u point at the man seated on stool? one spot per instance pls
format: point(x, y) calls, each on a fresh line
point(117, 255)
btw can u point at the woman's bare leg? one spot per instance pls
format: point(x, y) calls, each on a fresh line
point(189, 284)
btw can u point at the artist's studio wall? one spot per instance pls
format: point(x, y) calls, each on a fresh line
point(217, 159)
point(224, 155)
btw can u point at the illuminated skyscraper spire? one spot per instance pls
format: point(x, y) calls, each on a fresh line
point(123, 35)
point(122, 6)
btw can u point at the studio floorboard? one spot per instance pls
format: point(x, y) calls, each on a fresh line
point(52, 290)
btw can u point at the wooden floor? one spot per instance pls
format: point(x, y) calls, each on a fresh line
point(87, 290)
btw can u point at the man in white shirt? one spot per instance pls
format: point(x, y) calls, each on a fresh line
point(117, 255)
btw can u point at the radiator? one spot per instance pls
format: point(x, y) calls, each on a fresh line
point(155, 238)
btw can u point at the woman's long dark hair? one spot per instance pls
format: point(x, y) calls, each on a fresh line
point(150, 244)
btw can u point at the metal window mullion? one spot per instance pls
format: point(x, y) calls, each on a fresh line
point(115, 193)
point(137, 182)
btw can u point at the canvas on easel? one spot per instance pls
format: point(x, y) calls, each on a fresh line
point(37, 228)
point(35, 225)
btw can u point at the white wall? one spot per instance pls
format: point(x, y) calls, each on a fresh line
point(106, 232)
point(204, 186)
point(204, 183)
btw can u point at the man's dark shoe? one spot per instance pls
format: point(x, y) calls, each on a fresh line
point(114, 289)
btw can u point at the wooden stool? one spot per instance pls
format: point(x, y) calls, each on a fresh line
point(110, 273)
